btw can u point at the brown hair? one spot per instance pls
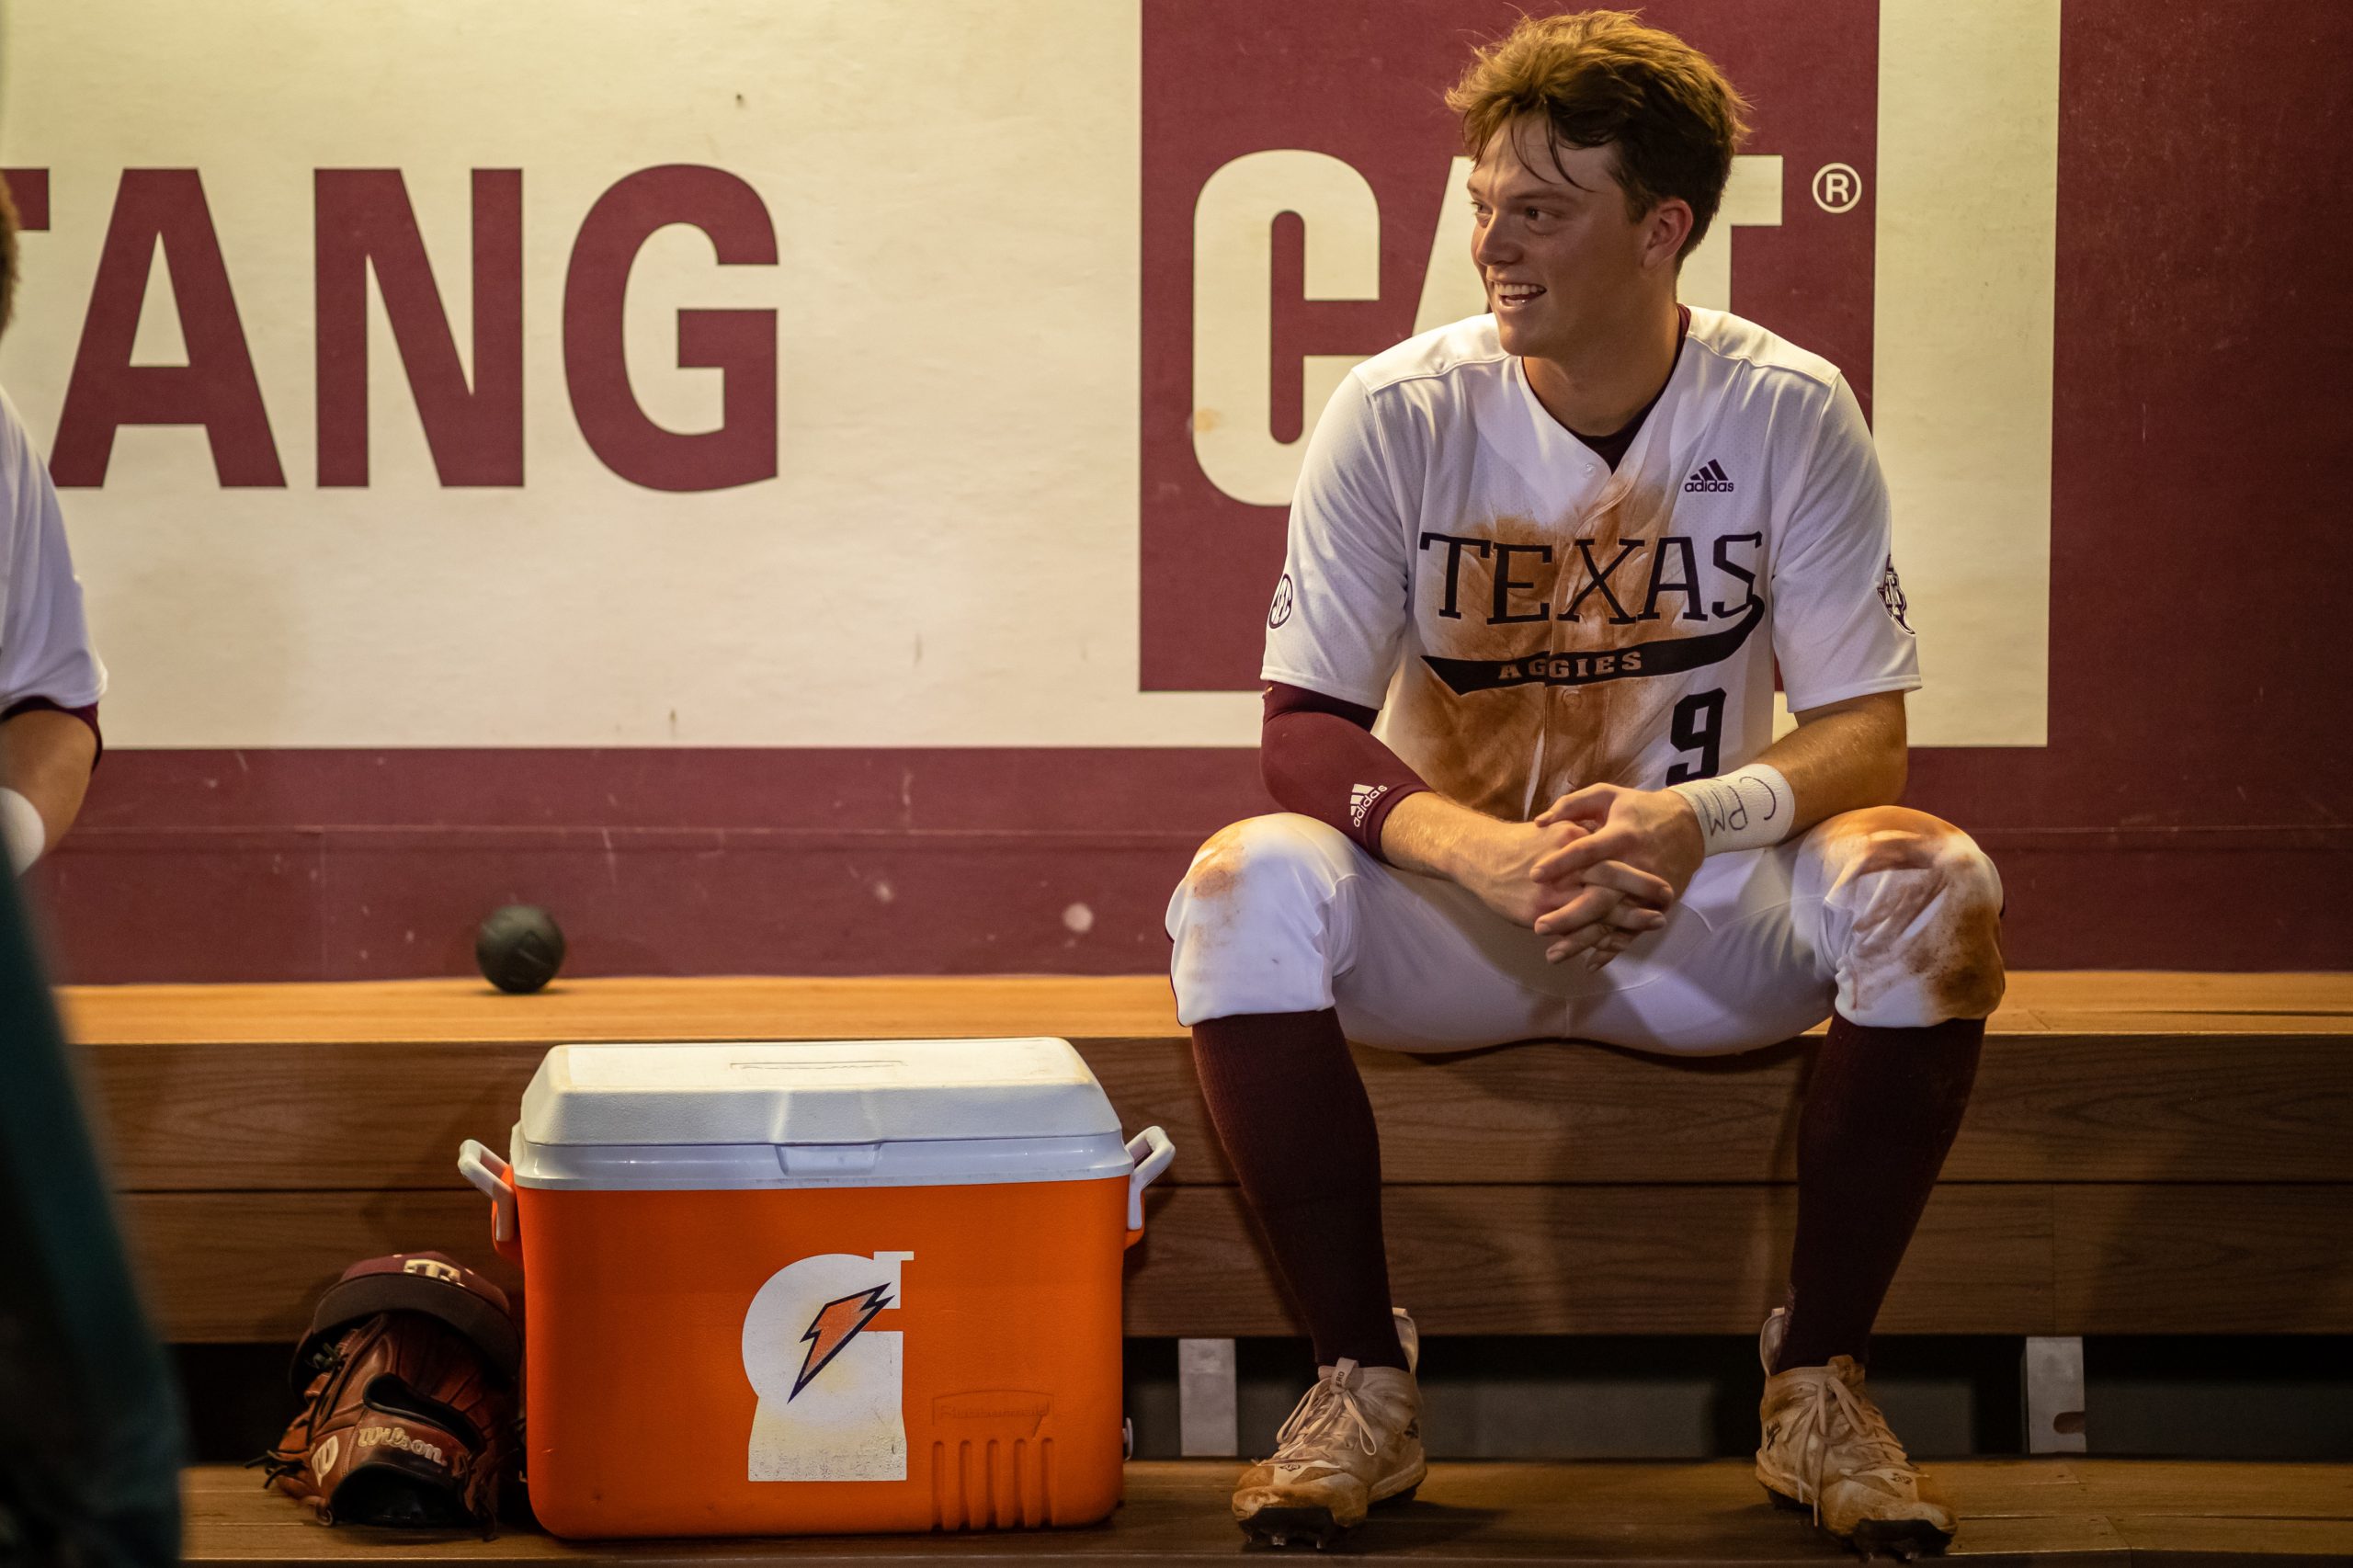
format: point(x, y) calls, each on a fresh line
point(7, 256)
point(1601, 77)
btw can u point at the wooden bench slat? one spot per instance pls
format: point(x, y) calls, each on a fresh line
point(2209, 1488)
point(2222, 1259)
point(1594, 1515)
point(1602, 1260)
point(1097, 1008)
point(2140, 990)
point(248, 1267)
point(701, 1007)
point(2055, 1109)
point(2174, 1538)
point(1990, 1487)
point(2019, 1258)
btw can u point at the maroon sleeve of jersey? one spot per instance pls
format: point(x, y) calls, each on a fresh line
point(87, 715)
point(1320, 759)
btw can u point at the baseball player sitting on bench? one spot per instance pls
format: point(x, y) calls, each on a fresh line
point(1541, 564)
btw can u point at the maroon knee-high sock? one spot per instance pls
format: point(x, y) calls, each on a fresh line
point(1293, 1117)
point(1881, 1111)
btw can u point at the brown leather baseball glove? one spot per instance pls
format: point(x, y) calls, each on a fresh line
point(409, 1409)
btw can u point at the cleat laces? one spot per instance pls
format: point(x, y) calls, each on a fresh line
point(1815, 1425)
point(1329, 1411)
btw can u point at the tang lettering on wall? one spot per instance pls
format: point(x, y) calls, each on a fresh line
point(617, 376)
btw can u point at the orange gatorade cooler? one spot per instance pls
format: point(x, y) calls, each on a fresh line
point(793, 1289)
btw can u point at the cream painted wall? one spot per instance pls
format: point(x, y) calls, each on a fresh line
point(1962, 344)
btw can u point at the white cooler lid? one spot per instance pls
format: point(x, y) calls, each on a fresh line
point(858, 1092)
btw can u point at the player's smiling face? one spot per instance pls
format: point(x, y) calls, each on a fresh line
point(1561, 259)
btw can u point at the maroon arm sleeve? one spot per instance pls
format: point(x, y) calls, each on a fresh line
point(1320, 758)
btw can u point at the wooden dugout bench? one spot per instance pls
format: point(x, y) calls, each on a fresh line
point(2145, 1153)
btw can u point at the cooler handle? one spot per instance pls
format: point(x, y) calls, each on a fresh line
point(1152, 1150)
point(495, 1178)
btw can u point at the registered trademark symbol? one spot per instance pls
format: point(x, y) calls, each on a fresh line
point(1836, 187)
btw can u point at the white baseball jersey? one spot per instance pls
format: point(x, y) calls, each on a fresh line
point(44, 643)
point(1529, 622)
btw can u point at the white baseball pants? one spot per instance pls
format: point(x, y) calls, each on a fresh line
point(1889, 915)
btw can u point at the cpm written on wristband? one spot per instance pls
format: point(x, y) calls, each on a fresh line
point(1749, 808)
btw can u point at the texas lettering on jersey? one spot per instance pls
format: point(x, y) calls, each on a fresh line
point(1592, 592)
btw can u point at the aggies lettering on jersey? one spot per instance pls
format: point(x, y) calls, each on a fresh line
point(1530, 622)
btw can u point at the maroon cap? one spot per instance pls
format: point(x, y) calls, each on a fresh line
point(429, 1282)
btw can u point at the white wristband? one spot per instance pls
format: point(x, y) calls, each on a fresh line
point(21, 826)
point(1746, 809)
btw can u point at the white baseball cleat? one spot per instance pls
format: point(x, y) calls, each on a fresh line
point(1354, 1439)
point(1828, 1449)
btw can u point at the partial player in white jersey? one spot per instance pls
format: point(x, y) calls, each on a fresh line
point(51, 678)
point(1542, 565)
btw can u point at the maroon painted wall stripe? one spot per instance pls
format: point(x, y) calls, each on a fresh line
point(377, 865)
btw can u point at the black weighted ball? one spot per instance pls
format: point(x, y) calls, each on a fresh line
point(520, 948)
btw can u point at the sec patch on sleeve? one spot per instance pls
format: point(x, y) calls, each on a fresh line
point(1891, 594)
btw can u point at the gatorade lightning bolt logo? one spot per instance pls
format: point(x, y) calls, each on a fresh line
point(836, 1325)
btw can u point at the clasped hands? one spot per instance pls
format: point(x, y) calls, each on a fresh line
point(1594, 870)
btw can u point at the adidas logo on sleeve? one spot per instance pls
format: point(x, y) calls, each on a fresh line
point(1710, 476)
point(1362, 799)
